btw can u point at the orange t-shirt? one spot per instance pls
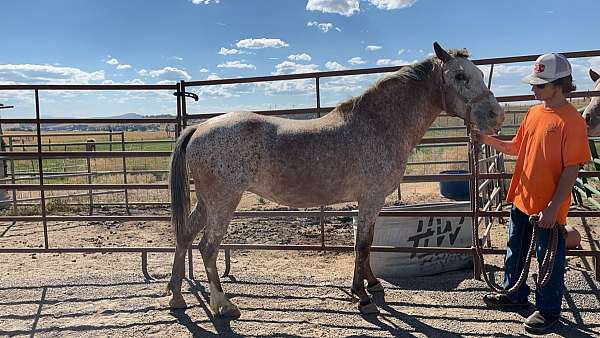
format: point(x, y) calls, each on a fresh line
point(548, 140)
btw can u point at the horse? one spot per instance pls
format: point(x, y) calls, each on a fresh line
point(355, 153)
point(591, 114)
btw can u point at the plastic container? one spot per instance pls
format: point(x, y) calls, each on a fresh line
point(426, 231)
point(455, 190)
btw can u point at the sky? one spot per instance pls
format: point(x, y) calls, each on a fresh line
point(157, 42)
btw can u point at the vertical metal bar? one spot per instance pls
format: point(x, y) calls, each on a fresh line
point(227, 263)
point(473, 168)
point(182, 115)
point(597, 268)
point(178, 116)
point(110, 139)
point(125, 173)
point(89, 181)
point(12, 170)
point(321, 208)
point(490, 77)
point(41, 167)
point(145, 265)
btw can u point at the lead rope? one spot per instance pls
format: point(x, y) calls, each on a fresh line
point(545, 268)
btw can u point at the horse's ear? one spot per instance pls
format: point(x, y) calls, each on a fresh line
point(441, 53)
point(593, 75)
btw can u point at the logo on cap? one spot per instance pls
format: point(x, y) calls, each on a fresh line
point(539, 67)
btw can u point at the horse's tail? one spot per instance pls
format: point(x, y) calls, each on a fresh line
point(179, 184)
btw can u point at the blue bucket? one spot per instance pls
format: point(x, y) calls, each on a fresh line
point(455, 190)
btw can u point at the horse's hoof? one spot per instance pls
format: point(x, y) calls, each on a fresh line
point(375, 288)
point(231, 311)
point(177, 303)
point(368, 309)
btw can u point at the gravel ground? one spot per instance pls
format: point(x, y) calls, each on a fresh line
point(279, 293)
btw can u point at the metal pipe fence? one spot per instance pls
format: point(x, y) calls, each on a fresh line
point(182, 119)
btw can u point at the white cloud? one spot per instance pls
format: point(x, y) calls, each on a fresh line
point(143, 72)
point(167, 74)
point(288, 67)
point(47, 74)
point(236, 64)
point(595, 62)
point(205, 2)
point(300, 57)
point(501, 70)
point(227, 51)
point(135, 82)
point(392, 4)
point(373, 48)
point(357, 60)
point(123, 66)
point(342, 7)
point(390, 62)
point(113, 61)
point(401, 51)
point(178, 58)
point(332, 65)
point(204, 70)
point(324, 26)
point(261, 43)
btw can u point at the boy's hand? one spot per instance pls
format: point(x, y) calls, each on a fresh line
point(548, 218)
point(477, 136)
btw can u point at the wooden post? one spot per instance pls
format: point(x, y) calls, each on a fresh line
point(125, 173)
point(89, 181)
point(12, 170)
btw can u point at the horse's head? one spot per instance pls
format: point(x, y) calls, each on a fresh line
point(464, 91)
point(592, 111)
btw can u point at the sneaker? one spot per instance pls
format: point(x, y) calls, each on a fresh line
point(500, 301)
point(537, 323)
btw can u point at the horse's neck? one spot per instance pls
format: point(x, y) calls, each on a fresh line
point(405, 115)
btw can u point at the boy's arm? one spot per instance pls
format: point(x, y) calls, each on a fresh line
point(565, 184)
point(507, 147)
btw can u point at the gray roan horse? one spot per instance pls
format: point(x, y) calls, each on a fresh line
point(357, 152)
point(591, 114)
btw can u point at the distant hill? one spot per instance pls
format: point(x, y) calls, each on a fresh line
point(126, 116)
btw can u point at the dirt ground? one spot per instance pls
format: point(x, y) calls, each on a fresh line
point(280, 293)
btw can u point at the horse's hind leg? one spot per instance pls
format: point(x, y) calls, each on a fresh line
point(184, 241)
point(219, 216)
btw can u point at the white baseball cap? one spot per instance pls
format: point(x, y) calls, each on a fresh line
point(547, 68)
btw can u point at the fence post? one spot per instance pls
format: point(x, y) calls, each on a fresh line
point(89, 181)
point(321, 208)
point(12, 171)
point(41, 167)
point(125, 173)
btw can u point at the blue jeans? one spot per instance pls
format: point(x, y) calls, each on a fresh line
point(548, 299)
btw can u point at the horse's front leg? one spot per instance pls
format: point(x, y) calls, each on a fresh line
point(373, 284)
point(367, 214)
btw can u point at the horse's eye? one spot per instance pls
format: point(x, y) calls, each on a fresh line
point(460, 77)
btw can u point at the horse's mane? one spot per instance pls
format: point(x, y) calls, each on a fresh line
point(416, 72)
